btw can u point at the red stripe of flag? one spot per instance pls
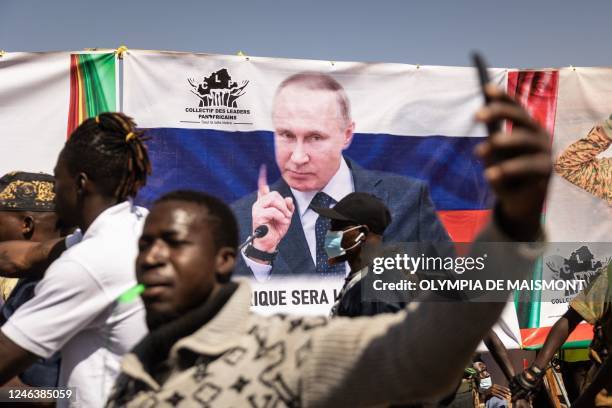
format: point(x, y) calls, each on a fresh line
point(464, 225)
point(537, 336)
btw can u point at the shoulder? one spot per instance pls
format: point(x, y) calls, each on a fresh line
point(67, 276)
point(391, 181)
point(396, 190)
point(397, 181)
point(108, 258)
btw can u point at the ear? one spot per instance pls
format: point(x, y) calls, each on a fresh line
point(225, 260)
point(364, 231)
point(27, 227)
point(84, 184)
point(348, 135)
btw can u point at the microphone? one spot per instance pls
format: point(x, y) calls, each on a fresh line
point(259, 232)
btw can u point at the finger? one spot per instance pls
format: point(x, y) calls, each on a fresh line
point(496, 111)
point(504, 392)
point(281, 205)
point(504, 395)
point(271, 214)
point(262, 181)
point(274, 199)
point(520, 138)
point(503, 146)
point(290, 204)
point(500, 395)
point(496, 94)
point(504, 389)
point(533, 165)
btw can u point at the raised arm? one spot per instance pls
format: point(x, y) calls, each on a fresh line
point(19, 259)
point(420, 353)
point(579, 163)
point(393, 359)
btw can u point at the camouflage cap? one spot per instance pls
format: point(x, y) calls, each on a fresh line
point(21, 191)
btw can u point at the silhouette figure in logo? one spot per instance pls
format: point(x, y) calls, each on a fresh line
point(218, 89)
point(581, 265)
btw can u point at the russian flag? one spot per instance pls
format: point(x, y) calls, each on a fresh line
point(410, 120)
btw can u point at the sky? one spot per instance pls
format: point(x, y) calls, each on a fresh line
point(513, 34)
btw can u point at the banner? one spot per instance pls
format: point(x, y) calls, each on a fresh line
point(44, 96)
point(211, 127)
point(213, 119)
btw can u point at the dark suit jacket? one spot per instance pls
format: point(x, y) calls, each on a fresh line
point(412, 211)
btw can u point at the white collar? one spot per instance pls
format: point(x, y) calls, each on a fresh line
point(340, 185)
point(101, 219)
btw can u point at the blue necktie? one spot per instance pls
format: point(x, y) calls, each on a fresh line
point(321, 228)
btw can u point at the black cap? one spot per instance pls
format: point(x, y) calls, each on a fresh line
point(362, 209)
point(21, 191)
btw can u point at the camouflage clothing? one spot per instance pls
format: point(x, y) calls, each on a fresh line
point(579, 163)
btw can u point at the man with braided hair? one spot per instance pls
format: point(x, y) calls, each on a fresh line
point(75, 310)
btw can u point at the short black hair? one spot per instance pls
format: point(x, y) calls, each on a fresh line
point(111, 151)
point(225, 232)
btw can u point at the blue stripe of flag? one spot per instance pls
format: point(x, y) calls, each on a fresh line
point(226, 164)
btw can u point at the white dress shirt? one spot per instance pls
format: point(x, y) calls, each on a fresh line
point(340, 185)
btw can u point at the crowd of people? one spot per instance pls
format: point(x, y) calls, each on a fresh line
point(75, 243)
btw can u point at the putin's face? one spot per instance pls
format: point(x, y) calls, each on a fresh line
point(309, 136)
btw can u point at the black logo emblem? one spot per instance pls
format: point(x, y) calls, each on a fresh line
point(218, 89)
point(581, 265)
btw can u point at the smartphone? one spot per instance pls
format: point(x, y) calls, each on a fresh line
point(483, 77)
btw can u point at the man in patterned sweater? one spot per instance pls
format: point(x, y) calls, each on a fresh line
point(206, 348)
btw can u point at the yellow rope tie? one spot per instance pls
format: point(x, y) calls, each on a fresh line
point(121, 51)
point(129, 137)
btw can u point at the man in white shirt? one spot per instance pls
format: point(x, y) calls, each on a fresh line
point(75, 308)
point(312, 126)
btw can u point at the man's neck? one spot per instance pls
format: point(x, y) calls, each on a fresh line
point(92, 208)
point(356, 264)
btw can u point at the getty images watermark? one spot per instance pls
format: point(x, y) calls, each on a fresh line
point(487, 272)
